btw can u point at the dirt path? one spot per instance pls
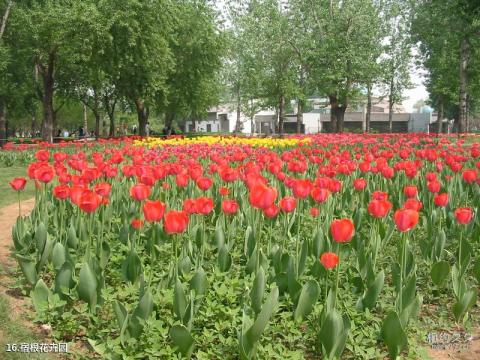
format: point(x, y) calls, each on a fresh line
point(468, 350)
point(20, 309)
point(8, 217)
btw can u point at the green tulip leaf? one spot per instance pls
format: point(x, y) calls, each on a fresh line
point(258, 289)
point(182, 339)
point(307, 300)
point(393, 335)
point(439, 272)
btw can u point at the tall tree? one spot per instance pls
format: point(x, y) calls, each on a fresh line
point(55, 34)
point(139, 57)
point(266, 29)
point(449, 55)
point(397, 52)
point(343, 36)
point(192, 85)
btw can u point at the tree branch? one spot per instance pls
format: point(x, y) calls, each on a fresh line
point(5, 18)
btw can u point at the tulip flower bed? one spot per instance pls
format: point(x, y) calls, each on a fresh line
point(339, 246)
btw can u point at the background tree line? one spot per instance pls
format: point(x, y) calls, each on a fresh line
point(344, 51)
point(173, 59)
point(140, 57)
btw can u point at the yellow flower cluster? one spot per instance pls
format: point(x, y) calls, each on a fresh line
point(224, 140)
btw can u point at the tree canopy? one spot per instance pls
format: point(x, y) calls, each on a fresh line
point(175, 59)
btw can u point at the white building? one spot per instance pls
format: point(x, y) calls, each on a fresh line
point(221, 119)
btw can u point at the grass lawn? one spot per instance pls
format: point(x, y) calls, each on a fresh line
point(7, 194)
point(14, 333)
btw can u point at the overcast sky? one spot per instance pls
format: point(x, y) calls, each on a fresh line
point(415, 94)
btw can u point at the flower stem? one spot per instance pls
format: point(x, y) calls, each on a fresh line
point(337, 276)
point(19, 205)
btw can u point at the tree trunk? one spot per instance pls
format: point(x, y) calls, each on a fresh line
point(390, 106)
point(47, 100)
point(96, 113)
point(110, 107)
point(142, 114)
point(5, 18)
point(462, 118)
point(440, 115)
point(169, 116)
point(299, 116)
point(369, 107)
point(238, 123)
point(333, 112)
point(104, 128)
point(34, 124)
point(85, 120)
point(3, 123)
point(340, 118)
point(467, 118)
point(281, 114)
point(111, 130)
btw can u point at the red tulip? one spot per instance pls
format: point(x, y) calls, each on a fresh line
point(229, 207)
point(204, 183)
point(62, 192)
point(412, 204)
point(379, 208)
point(410, 191)
point(335, 186)
point(103, 189)
point(319, 195)
point(165, 185)
point(228, 174)
point(359, 184)
point(76, 194)
point(147, 179)
point(59, 157)
point(204, 205)
point(441, 199)
point(190, 206)
point(181, 180)
point(464, 215)
point(342, 230)
point(223, 191)
point(271, 211)
point(431, 176)
point(175, 222)
point(379, 195)
point(288, 204)
point(42, 155)
point(301, 188)
point(136, 223)
point(329, 260)
point(18, 184)
point(364, 167)
point(405, 219)
point(314, 212)
point(89, 201)
point(262, 196)
point(388, 172)
point(433, 186)
point(140, 192)
point(44, 174)
point(153, 210)
point(469, 175)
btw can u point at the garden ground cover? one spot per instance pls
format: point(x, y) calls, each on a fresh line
point(151, 300)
